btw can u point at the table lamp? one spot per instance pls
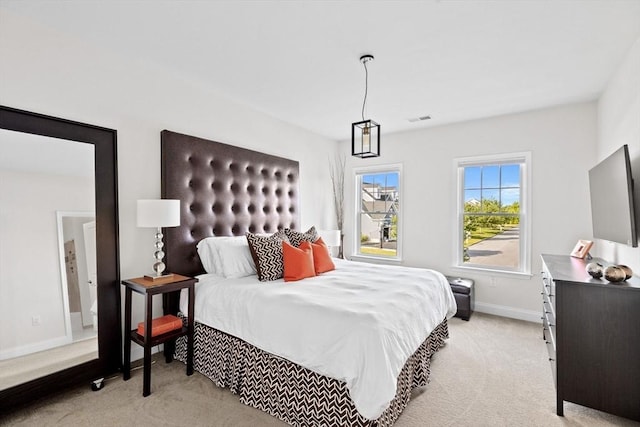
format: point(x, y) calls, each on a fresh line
point(158, 214)
point(331, 238)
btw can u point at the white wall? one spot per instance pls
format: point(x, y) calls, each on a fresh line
point(562, 141)
point(30, 283)
point(47, 72)
point(619, 124)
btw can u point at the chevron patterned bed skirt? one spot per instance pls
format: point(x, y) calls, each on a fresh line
point(294, 394)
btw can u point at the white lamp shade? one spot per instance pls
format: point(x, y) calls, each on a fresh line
point(330, 238)
point(158, 213)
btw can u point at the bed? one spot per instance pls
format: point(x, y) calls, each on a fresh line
point(263, 340)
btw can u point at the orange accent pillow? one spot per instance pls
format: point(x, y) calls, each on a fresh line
point(321, 257)
point(298, 262)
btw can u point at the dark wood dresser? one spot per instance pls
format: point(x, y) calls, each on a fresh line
point(592, 331)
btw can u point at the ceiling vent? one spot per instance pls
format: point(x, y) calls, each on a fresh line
point(419, 119)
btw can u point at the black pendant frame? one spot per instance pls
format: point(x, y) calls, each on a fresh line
point(358, 132)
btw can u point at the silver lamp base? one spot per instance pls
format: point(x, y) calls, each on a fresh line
point(158, 266)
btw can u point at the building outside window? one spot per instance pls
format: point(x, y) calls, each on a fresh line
point(493, 222)
point(378, 208)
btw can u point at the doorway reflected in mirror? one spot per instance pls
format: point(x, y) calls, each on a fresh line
point(77, 246)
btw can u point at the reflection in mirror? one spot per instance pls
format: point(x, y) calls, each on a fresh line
point(77, 253)
point(47, 256)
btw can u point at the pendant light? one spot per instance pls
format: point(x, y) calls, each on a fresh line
point(365, 134)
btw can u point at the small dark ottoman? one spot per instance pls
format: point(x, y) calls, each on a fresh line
point(463, 292)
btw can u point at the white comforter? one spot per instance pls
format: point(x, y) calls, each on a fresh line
point(359, 323)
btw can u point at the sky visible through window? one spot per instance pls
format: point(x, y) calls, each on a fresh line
point(495, 182)
point(383, 179)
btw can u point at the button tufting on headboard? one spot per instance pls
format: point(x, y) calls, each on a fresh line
point(225, 190)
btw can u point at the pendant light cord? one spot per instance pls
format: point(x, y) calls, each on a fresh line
point(366, 87)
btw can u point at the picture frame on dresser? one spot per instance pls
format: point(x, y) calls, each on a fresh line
point(581, 249)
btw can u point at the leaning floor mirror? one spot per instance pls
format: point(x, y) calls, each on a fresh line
point(59, 266)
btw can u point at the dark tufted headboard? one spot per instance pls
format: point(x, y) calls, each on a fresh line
point(225, 191)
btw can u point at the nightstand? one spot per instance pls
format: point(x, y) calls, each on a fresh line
point(150, 288)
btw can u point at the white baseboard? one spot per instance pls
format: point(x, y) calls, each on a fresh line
point(34, 348)
point(513, 313)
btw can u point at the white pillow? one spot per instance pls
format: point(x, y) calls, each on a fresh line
point(231, 256)
point(209, 256)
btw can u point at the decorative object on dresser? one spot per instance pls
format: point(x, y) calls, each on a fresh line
point(147, 287)
point(591, 330)
point(614, 274)
point(628, 273)
point(157, 214)
point(581, 250)
point(595, 270)
point(463, 293)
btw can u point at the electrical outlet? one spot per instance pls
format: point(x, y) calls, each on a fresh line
point(36, 321)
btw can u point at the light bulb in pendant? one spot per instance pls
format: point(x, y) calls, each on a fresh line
point(366, 139)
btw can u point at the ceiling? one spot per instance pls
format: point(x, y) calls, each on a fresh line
point(298, 61)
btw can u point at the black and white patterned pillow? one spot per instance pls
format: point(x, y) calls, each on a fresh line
point(296, 237)
point(267, 254)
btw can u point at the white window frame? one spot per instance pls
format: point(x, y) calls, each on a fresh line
point(524, 159)
point(357, 173)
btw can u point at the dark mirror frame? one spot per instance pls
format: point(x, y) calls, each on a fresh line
point(109, 358)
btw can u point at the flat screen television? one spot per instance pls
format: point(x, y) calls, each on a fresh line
point(612, 199)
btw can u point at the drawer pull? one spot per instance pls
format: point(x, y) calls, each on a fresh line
point(552, 360)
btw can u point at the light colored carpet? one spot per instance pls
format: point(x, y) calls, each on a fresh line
point(492, 372)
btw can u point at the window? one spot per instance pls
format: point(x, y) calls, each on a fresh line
point(493, 221)
point(377, 212)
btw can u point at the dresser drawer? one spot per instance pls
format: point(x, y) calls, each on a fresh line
point(548, 312)
point(549, 338)
point(549, 333)
point(549, 290)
